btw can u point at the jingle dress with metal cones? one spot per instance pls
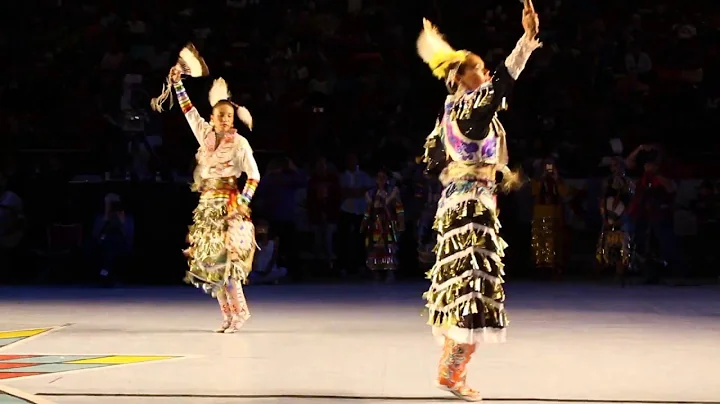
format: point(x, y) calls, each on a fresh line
point(382, 223)
point(548, 223)
point(614, 246)
point(222, 242)
point(466, 300)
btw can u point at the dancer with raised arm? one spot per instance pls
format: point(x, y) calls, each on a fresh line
point(222, 237)
point(466, 298)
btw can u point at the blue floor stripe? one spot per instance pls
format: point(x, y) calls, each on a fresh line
point(8, 341)
point(8, 399)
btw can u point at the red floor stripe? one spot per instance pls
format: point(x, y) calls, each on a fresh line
point(18, 374)
point(7, 358)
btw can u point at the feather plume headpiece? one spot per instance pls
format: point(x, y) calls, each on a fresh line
point(190, 64)
point(437, 53)
point(220, 92)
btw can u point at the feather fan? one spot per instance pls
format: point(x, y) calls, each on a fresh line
point(191, 63)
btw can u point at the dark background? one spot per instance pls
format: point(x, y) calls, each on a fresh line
point(63, 81)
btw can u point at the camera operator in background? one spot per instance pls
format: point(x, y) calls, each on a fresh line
point(652, 211)
point(112, 237)
point(548, 224)
point(132, 150)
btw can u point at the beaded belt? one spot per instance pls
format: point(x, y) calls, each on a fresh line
point(218, 184)
point(464, 171)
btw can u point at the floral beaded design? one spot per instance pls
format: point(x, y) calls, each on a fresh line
point(460, 147)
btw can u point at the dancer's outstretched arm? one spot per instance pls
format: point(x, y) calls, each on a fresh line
point(504, 77)
point(516, 61)
point(199, 126)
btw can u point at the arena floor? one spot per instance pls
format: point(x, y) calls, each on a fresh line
point(336, 343)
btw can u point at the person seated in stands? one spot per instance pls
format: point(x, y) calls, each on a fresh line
point(113, 235)
point(265, 268)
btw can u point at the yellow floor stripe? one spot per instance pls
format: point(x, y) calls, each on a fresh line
point(23, 333)
point(120, 359)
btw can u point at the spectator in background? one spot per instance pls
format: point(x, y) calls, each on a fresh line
point(394, 148)
point(652, 210)
point(323, 207)
point(113, 237)
point(12, 221)
point(135, 25)
point(706, 208)
point(265, 262)
point(637, 62)
point(354, 183)
point(113, 58)
point(276, 201)
point(321, 83)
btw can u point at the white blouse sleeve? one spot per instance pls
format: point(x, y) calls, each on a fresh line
point(518, 58)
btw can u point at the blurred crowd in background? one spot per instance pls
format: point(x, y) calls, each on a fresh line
point(334, 85)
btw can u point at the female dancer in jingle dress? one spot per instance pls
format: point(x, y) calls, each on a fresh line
point(466, 298)
point(222, 239)
point(548, 223)
point(382, 224)
point(614, 248)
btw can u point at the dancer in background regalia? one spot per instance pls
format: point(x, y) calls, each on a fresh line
point(382, 224)
point(614, 246)
point(548, 224)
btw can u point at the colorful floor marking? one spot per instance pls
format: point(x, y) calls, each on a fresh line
point(15, 366)
point(11, 337)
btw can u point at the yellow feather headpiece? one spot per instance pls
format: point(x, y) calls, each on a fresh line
point(436, 52)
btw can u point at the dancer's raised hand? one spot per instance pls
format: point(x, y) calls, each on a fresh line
point(175, 74)
point(244, 211)
point(530, 19)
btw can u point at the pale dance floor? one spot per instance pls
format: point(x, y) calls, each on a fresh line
point(367, 343)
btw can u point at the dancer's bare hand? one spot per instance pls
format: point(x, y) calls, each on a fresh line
point(530, 19)
point(175, 74)
point(243, 210)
